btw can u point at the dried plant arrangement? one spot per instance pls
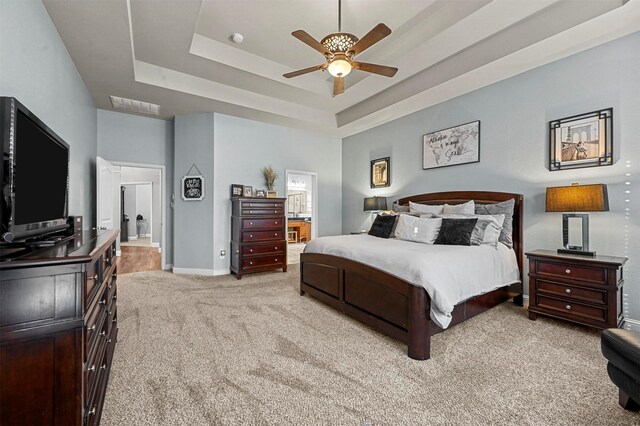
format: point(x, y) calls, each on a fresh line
point(270, 177)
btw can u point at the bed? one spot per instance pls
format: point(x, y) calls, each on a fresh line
point(395, 306)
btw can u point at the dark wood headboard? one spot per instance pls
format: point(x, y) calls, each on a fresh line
point(480, 197)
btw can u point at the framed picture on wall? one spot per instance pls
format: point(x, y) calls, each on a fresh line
point(451, 147)
point(380, 172)
point(192, 188)
point(584, 140)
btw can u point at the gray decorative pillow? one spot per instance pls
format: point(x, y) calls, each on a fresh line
point(486, 232)
point(399, 209)
point(505, 208)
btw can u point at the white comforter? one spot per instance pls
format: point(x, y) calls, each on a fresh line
point(449, 274)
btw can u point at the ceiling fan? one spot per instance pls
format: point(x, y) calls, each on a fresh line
point(339, 49)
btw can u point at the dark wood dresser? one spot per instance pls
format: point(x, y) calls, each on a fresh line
point(258, 235)
point(58, 330)
point(580, 289)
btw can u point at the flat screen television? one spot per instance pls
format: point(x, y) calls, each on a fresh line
point(35, 175)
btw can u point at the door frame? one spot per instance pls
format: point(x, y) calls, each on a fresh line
point(314, 197)
point(163, 203)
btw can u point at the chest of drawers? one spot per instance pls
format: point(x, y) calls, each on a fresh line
point(258, 235)
point(580, 289)
point(58, 330)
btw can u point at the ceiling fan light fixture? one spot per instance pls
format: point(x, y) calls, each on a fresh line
point(339, 68)
point(339, 42)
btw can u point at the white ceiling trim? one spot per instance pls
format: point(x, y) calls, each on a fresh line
point(465, 33)
point(621, 22)
point(237, 58)
point(174, 80)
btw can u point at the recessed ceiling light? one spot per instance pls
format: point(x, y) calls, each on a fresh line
point(237, 38)
point(130, 105)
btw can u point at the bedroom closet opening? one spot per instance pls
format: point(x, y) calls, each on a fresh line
point(301, 197)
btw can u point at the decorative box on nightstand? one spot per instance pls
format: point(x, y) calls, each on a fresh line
point(580, 289)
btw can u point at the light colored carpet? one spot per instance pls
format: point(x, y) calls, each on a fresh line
point(217, 351)
point(293, 252)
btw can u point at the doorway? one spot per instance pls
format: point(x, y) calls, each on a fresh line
point(136, 203)
point(302, 211)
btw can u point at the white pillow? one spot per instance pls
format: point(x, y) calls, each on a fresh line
point(425, 208)
point(466, 208)
point(421, 230)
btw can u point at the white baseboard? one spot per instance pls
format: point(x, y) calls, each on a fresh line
point(146, 235)
point(194, 271)
point(631, 324)
point(155, 245)
point(168, 267)
point(525, 299)
point(223, 271)
point(118, 252)
point(133, 238)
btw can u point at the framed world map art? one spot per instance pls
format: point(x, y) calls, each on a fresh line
point(452, 146)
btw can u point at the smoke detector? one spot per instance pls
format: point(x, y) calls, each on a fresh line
point(237, 38)
point(131, 105)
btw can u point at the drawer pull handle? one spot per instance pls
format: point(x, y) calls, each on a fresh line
point(92, 328)
point(276, 222)
point(568, 290)
point(276, 260)
point(250, 263)
point(102, 302)
point(250, 223)
point(92, 368)
point(568, 306)
point(275, 234)
point(115, 297)
point(109, 341)
point(275, 248)
point(114, 275)
point(103, 333)
point(568, 271)
point(115, 321)
point(250, 211)
point(250, 235)
point(103, 367)
point(275, 211)
point(94, 278)
point(250, 250)
point(92, 412)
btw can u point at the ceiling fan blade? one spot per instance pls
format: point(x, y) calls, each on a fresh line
point(304, 71)
point(338, 86)
point(304, 37)
point(376, 69)
point(378, 32)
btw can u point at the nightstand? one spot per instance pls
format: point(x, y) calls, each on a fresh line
point(580, 289)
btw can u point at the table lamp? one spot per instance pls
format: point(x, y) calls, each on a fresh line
point(577, 198)
point(375, 204)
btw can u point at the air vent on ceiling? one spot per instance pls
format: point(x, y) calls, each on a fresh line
point(130, 105)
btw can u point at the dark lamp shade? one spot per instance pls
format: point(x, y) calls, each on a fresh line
point(578, 198)
point(375, 203)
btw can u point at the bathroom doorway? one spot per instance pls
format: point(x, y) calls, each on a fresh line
point(302, 208)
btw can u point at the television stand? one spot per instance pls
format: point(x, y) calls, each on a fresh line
point(51, 240)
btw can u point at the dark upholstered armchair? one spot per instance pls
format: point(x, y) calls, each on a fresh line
point(622, 350)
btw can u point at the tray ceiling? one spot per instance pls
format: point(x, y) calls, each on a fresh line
point(179, 53)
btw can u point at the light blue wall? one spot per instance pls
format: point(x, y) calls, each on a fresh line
point(141, 140)
point(193, 220)
point(36, 68)
point(514, 118)
point(243, 147)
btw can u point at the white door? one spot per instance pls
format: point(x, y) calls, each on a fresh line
point(104, 195)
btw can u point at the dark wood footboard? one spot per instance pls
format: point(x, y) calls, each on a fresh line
point(385, 302)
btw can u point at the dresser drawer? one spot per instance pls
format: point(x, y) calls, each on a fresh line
point(260, 261)
point(262, 204)
point(275, 248)
point(263, 212)
point(93, 280)
point(262, 223)
point(93, 369)
point(572, 292)
point(598, 275)
point(262, 236)
point(94, 328)
point(572, 309)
